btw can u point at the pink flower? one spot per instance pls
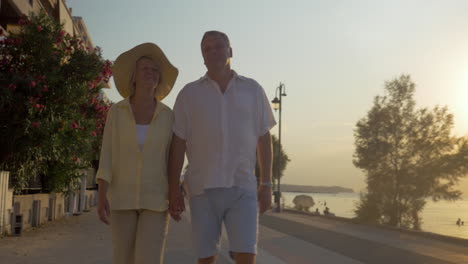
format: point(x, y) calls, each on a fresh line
point(39, 107)
point(33, 100)
point(40, 28)
point(45, 89)
point(93, 134)
point(23, 21)
point(35, 124)
point(32, 84)
point(12, 87)
point(74, 125)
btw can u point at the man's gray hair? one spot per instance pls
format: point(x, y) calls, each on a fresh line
point(218, 34)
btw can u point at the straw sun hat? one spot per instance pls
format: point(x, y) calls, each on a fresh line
point(124, 67)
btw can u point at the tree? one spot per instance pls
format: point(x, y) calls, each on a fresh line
point(51, 114)
point(408, 155)
point(283, 160)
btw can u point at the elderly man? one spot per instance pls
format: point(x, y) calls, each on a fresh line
point(222, 122)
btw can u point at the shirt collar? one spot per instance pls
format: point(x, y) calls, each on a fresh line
point(125, 103)
point(206, 77)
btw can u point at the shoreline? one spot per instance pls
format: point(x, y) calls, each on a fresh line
point(437, 217)
point(318, 192)
point(444, 238)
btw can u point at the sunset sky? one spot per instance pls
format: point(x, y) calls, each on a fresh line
point(333, 56)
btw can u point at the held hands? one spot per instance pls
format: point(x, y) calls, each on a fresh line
point(264, 198)
point(176, 204)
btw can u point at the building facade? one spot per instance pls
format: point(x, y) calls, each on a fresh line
point(12, 10)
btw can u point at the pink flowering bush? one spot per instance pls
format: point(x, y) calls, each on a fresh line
point(51, 114)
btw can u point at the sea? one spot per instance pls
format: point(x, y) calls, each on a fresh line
point(437, 217)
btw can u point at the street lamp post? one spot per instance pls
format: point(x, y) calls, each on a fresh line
point(277, 105)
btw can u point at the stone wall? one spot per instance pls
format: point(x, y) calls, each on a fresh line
point(32, 208)
point(21, 212)
point(6, 204)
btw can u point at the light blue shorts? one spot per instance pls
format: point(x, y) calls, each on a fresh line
point(237, 208)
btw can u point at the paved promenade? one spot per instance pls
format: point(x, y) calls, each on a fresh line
point(284, 238)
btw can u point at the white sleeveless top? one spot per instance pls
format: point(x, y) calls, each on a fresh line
point(141, 134)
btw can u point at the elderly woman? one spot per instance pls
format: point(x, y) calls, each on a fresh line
point(132, 173)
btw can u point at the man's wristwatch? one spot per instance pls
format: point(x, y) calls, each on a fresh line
point(268, 184)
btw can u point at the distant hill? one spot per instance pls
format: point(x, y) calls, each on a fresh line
point(315, 189)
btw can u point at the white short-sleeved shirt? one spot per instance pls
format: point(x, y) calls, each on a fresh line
point(221, 131)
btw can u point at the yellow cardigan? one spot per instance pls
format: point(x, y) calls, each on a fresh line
point(137, 179)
